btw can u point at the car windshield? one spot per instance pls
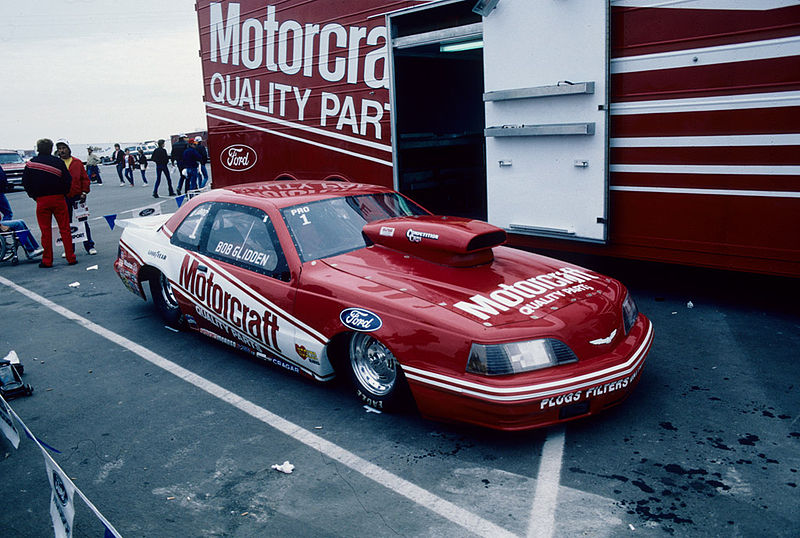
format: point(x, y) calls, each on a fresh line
point(330, 227)
point(9, 158)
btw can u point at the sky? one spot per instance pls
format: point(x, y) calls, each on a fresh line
point(98, 71)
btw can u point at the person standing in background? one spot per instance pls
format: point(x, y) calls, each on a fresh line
point(47, 180)
point(141, 163)
point(177, 158)
point(130, 162)
point(201, 149)
point(93, 167)
point(78, 190)
point(191, 160)
point(161, 159)
point(118, 157)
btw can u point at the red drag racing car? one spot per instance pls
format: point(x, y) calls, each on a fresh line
point(326, 278)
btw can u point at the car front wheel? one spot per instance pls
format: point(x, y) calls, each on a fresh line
point(165, 301)
point(375, 373)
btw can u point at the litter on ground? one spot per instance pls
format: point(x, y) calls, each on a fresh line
point(284, 467)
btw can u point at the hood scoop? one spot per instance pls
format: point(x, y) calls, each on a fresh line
point(453, 241)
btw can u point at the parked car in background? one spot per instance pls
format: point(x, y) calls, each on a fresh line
point(13, 164)
point(105, 155)
point(148, 147)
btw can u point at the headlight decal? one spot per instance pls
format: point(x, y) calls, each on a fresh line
point(629, 313)
point(518, 357)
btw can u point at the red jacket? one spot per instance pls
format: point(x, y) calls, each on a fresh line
point(80, 179)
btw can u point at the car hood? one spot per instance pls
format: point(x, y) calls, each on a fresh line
point(514, 287)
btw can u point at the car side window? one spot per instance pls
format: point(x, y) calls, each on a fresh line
point(189, 232)
point(244, 236)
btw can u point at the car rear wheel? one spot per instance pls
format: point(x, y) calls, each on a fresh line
point(165, 301)
point(375, 373)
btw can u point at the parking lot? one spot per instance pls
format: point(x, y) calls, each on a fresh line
point(169, 433)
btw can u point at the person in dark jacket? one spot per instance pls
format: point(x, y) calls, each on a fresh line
point(177, 158)
point(130, 164)
point(47, 180)
point(141, 163)
point(161, 159)
point(201, 149)
point(118, 158)
point(191, 160)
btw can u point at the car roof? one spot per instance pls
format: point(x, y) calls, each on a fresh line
point(280, 194)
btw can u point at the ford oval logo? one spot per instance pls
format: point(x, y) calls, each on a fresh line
point(238, 157)
point(146, 212)
point(359, 319)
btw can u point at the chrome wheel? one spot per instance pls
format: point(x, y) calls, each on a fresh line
point(165, 301)
point(373, 365)
point(166, 291)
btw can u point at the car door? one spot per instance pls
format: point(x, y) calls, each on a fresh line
point(239, 290)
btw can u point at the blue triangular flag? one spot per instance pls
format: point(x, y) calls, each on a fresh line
point(180, 199)
point(110, 219)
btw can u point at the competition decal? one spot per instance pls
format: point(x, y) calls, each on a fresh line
point(529, 295)
point(541, 390)
point(416, 237)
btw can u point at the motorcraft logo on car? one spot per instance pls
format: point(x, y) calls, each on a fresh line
point(542, 289)
point(238, 157)
point(361, 320)
point(416, 237)
point(387, 231)
point(249, 322)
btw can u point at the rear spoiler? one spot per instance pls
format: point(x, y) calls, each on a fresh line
point(152, 222)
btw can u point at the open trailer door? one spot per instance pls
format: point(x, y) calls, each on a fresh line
point(546, 114)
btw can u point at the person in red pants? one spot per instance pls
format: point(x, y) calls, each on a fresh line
point(47, 180)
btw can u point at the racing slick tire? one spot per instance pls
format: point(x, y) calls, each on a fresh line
point(375, 373)
point(164, 300)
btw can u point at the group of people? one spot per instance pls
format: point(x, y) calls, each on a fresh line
point(190, 155)
point(59, 185)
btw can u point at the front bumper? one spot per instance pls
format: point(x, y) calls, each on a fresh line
point(543, 398)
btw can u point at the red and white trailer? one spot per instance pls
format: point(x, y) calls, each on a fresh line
point(662, 130)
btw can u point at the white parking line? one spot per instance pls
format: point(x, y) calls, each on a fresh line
point(410, 491)
point(542, 522)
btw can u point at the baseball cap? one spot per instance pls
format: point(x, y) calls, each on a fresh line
point(62, 141)
point(198, 138)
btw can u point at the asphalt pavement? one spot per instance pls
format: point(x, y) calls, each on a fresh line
point(172, 434)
